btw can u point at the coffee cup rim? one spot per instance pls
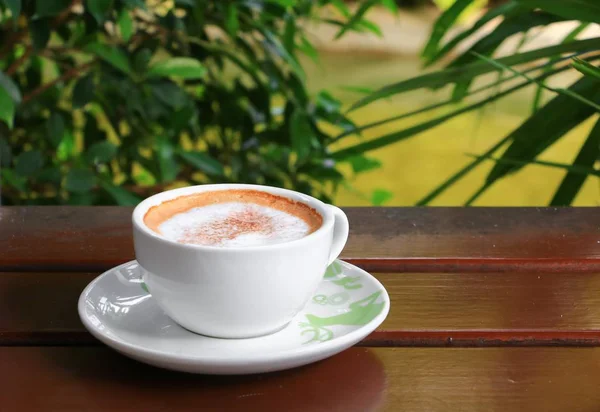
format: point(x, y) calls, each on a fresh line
point(142, 208)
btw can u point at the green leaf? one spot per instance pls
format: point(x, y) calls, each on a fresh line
point(488, 44)
point(419, 128)
point(586, 68)
point(583, 10)
point(28, 163)
point(380, 196)
point(342, 8)
point(289, 33)
point(40, 33)
point(125, 23)
point(10, 87)
point(44, 8)
point(67, 147)
point(119, 194)
point(572, 182)
point(442, 25)
point(55, 128)
point(83, 92)
point(358, 89)
point(556, 118)
point(575, 169)
point(508, 9)
point(284, 3)
point(141, 60)
point(99, 9)
point(11, 178)
point(7, 108)
point(182, 67)
point(362, 164)
point(307, 48)
point(232, 23)
point(327, 102)
point(370, 26)
point(460, 174)
point(357, 17)
point(203, 162)
point(111, 55)
point(170, 94)
point(15, 8)
point(571, 36)
point(80, 180)
point(101, 152)
point(301, 133)
point(390, 5)
point(50, 174)
point(5, 153)
point(133, 4)
point(274, 46)
point(472, 70)
point(169, 169)
point(510, 26)
point(554, 89)
point(448, 102)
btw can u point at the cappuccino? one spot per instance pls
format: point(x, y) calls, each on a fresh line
point(233, 218)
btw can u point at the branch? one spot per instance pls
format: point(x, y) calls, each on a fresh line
point(12, 69)
point(74, 72)
point(19, 35)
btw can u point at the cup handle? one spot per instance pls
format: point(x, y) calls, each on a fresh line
point(340, 233)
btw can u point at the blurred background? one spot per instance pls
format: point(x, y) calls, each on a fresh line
point(396, 103)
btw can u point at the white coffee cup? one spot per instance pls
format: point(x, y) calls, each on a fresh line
point(236, 292)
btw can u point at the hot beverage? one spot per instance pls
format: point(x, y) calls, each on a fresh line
point(232, 218)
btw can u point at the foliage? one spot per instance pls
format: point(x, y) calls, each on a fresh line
point(107, 101)
point(547, 124)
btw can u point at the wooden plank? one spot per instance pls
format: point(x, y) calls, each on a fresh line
point(386, 379)
point(382, 239)
point(437, 309)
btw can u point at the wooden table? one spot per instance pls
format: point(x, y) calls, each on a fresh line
point(492, 309)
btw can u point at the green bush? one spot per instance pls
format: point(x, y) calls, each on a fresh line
point(108, 101)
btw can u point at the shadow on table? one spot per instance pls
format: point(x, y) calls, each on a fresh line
point(354, 380)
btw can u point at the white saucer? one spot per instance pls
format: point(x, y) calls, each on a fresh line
point(117, 309)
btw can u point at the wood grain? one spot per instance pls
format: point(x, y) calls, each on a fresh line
point(386, 379)
point(382, 239)
point(433, 309)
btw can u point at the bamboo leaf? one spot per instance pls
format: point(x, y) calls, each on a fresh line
point(472, 70)
point(488, 44)
point(441, 104)
point(555, 119)
point(577, 170)
point(566, 92)
point(460, 174)
point(441, 26)
point(568, 38)
point(509, 9)
point(357, 17)
point(406, 133)
point(572, 182)
point(583, 10)
point(586, 68)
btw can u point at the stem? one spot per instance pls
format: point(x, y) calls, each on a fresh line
point(12, 69)
point(74, 72)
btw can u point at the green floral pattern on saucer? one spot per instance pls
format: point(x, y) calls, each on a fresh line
point(365, 305)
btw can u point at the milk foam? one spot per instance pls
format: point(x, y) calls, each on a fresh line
point(234, 224)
